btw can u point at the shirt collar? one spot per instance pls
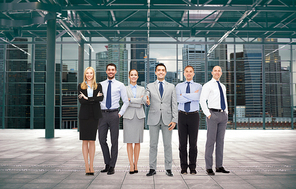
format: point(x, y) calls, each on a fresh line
point(214, 80)
point(87, 85)
point(111, 80)
point(188, 81)
point(133, 86)
point(163, 82)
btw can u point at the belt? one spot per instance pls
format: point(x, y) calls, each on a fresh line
point(217, 110)
point(186, 113)
point(112, 110)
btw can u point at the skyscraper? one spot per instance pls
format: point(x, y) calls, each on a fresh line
point(138, 53)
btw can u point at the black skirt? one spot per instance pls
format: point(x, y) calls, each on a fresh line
point(88, 128)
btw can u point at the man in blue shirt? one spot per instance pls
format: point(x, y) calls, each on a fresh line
point(113, 90)
point(188, 94)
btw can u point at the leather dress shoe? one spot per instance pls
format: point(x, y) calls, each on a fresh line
point(184, 172)
point(193, 172)
point(221, 170)
point(169, 173)
point(151, 172)
point(111, 171)
point(106, 169)
point(210, 172)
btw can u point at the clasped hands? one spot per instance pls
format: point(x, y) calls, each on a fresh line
point(81, 95)
point(194, 92)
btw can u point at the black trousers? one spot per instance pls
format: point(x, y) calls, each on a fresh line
point(188, 128)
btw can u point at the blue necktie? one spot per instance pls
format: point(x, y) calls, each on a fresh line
point(160, 89)
point(221, 97)
point(187, 104)
point(108, 100)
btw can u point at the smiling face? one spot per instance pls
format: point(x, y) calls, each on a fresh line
point(217, 73)
point(111, 71)
point(189, 73)
point(89, 75)
point(133, 76)
point(160, 73)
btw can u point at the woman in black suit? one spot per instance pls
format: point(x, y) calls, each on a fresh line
point(90, 95)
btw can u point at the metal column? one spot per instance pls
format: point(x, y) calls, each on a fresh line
point(80, 71)
point(50, 79)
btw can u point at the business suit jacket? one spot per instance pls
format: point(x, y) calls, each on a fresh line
point(92, 103)
point(135, 106)
point(165, 107)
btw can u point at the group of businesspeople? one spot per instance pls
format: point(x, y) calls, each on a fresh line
point(168, 104)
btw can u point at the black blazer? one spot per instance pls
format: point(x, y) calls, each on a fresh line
point(92, 103)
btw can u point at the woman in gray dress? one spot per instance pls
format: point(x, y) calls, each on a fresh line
point(133, 120)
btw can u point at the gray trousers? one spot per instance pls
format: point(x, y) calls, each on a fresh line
point(216, 127)
point(167, 144)
point(109, 120)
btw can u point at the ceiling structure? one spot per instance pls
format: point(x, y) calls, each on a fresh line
point(149, 18)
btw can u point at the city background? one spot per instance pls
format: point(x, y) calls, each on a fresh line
point(258, 77)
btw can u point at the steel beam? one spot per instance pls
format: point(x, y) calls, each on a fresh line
point(25, 7)
point(177, 8)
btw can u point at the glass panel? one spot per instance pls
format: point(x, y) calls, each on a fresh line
point(69, 76)
point(17, 123)
point(18, 76)
point(40, 76)
point(69, 99)
point(39, 89)
point(39, 100)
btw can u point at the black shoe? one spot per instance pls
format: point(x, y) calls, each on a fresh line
point(193, 172)
point(151, 172)
point(131, 172)
point(111, 171)
point(106, 169)
point(210, 172)
point(136, 171)
point(169, 173)
point(92, 174)
point(184, 172)
point(221, 170)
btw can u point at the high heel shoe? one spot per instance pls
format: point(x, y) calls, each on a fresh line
point(91, 172)
point(132, 172)
point(135, 171)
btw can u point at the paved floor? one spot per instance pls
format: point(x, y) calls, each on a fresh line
point(256, 159)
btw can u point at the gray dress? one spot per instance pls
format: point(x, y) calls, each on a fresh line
point(133, 118)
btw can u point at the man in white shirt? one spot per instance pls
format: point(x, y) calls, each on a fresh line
point(216, 111)
point(113, 90)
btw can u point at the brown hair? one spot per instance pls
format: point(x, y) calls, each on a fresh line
point(188, 66)
point(129, 73)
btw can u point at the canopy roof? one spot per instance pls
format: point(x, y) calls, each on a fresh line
point(150, 18)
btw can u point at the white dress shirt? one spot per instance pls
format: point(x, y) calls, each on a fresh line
point(211, 94)
point(118, 91)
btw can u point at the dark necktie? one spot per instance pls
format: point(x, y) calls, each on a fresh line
point(221, 97)
point(160, 89)
point(187, 104)
point(108, 100)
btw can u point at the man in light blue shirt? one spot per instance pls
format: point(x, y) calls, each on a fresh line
point(113, 90)
point(188, 95)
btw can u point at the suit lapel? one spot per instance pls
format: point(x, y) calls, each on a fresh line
point(129, 90)
point(157, 89)
point(138, 92)
point(164, 89)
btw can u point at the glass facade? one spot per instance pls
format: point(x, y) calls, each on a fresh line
point(260, 76)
